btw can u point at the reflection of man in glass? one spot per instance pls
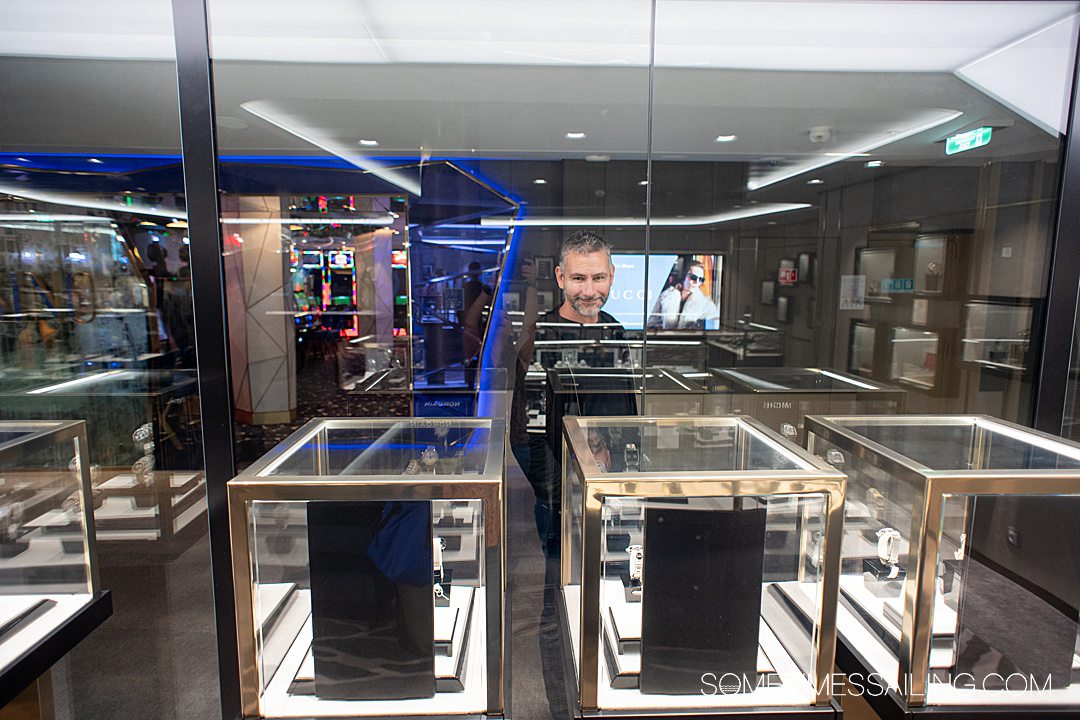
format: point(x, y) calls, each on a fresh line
point(575, 336)
point(684, 305)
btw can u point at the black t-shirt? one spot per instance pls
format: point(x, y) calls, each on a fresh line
point(538, 455)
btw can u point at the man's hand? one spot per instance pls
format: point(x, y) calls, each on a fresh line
point(528, 272)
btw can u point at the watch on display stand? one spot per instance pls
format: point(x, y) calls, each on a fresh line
point(143, 468)
point(884, 575)
point(443, 576)
point(631, 579)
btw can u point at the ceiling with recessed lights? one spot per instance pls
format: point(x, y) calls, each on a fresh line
point(375, 81)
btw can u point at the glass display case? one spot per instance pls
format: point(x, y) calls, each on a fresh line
point(997, 334)
point(878, 267)
point(746, 343)
point(682, 540)
point(930, 264)
point(368, 565)
point(48, 556)
point(618, 391)
point(683, 351)
point(922, 359)
point(120, 407)
point(388, 393)
point(961, 579)
point(781, 398)
point(861, 349)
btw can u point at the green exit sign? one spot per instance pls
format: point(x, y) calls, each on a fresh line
point(968, 140)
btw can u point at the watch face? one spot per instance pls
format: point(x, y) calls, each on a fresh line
point(143, 433)
point(143, 465)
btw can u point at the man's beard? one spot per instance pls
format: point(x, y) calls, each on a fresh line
point(590, 310)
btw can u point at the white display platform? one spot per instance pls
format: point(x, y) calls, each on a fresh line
point(298, 665)
point(33, 631)
point(882, 662)
point(793, 689)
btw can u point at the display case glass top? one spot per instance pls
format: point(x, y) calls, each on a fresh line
point(955, 526)
point(119, 382)
point(380, 448)
point(680, 538)
point(798, 379)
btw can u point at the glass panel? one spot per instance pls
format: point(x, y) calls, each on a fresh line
point(401, 450)
point(997, 555)
point(881, 209)
point(42, 537)
point(429, 577)
point(96, 324)
point(649, 446)
point(694, 601)
point(998, 568)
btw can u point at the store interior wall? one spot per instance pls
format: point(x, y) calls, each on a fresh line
point(998, 202)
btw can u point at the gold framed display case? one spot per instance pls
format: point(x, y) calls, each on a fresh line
point(960, 551)
point(363, 544)
point(48, 552)
point(781, 398)
point(670, 601)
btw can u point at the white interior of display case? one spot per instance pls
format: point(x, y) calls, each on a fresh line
point(886, 665)
point(33, 630)
point(794, 690)
point(450, 626)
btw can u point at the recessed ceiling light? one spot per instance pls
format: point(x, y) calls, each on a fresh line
point(96, 161)
point(22, 159)
point(575, 136)
point(539, 181)
point(815, 181)
point(643, 182)
point(726, 138)
point(874, 164)
point(369, 143)
point(597, 158)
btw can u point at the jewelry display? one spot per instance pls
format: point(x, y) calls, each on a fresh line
point(632, 578)
point(442, 575)
point(888, 548)
point(143, 468)
point(884, 575)
point(413, 468)
point(933, 277)
point(631, 457)
point(428, 458)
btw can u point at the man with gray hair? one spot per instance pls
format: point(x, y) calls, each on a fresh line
point(577, 333)
point(585, 273)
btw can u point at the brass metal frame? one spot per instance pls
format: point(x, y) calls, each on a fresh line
point(45, 434)
point(256, 483)
point(925, 534)
point(813, 477)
